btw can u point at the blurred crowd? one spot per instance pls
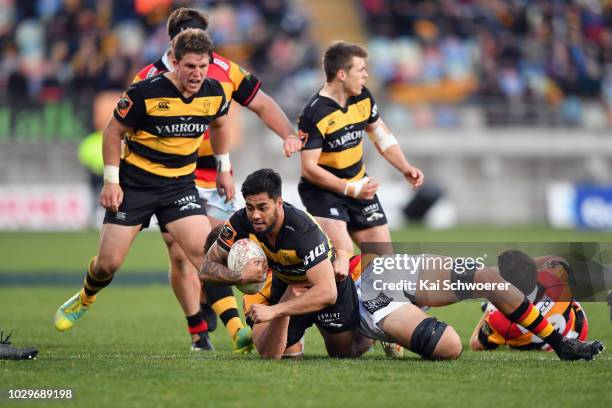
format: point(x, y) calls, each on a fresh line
point(53, 49)
point(508, 56)
point(536, 62)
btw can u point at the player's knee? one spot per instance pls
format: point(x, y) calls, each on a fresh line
point(435, 339)
point(106, 266)
point(271, 355)
point(475, 344)
point(449, 347)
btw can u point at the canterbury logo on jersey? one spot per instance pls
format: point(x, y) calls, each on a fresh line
point(182, 129)
point(347, 139)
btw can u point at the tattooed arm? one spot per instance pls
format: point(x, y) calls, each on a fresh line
point(214, 268)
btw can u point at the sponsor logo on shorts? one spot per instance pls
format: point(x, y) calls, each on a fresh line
point(375, 305)
point(375, 217)
point(329, 318)
point(120, 215)
point(370, 209)
point(190, 206)
point(187, 199)
point(334, 211)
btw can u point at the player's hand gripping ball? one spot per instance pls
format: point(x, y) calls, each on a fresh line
point(241, 252)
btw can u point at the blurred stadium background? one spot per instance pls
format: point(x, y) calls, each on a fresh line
point(506, 105)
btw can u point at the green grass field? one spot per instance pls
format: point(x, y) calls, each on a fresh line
point(132, 349)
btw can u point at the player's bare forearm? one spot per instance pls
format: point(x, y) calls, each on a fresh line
point(271, 115)
point(322, 293)
point(314, 299)
point(220, 136)
point(394, 156)
point(111, 141)
point(214, 269)
point(317, 175)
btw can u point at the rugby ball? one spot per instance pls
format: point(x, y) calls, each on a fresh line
point(241, 252)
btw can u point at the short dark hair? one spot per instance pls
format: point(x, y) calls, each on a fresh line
point(263, 181)
point(339, 55)
point(212, 237)
point(183, 18)
point(191, 40)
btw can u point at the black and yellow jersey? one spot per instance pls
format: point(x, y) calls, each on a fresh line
point(239, 85)
point(167, 127)
point(338, 132)
point(300, 245)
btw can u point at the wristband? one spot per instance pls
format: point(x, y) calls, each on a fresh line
point(353, 188)
point(223, 162)
point(382, 138)
point(111, 174)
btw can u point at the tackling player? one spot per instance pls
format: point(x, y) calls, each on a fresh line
point(243, 87)
point(549, 295)
point(390, 298)
point(166, 117)
point(303, 290)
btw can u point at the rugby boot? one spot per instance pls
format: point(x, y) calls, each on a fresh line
point(574, 349)
point(243, 340)
point(209, 315)
point(203, 343)
point(8, 352)
point(72, 310)
point(392, 350)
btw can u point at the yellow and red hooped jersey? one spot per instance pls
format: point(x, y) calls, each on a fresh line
point(237, 83)
point(553, 300)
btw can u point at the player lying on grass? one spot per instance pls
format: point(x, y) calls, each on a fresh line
point(303, 285)
point(548, 292)
point(390, 298)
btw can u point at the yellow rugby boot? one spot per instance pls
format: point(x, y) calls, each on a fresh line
point(243, 340)
point(73, 309)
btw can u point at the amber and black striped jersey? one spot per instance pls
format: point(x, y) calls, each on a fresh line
point(338, 132)
point(300, 245)
point(238, 84)
point(167, 127)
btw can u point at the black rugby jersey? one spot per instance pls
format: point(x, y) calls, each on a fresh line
point(300, 245)
point(168, 128)
point(338, 132)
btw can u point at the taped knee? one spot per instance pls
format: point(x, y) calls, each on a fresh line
point(462, 276)
point(426, 336)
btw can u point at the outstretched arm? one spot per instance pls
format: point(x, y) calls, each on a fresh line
point(387, 146)
point(274, 118)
